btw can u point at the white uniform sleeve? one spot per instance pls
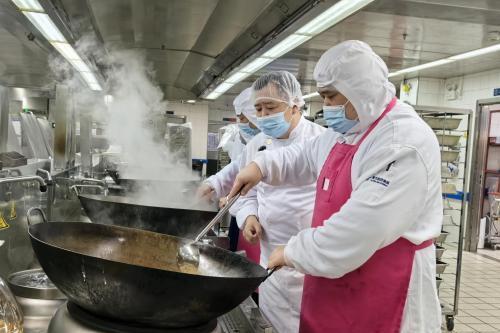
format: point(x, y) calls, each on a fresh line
point(294, 165)
point(385, 203)
point(244, 207)
point(222, 181)
point(247, 205)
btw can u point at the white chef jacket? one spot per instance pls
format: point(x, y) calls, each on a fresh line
point(396, 192)
point(282, 211)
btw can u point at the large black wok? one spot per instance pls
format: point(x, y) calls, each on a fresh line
point(131, 275)
point(143, 184)
point(175, 219)
point(128, 185)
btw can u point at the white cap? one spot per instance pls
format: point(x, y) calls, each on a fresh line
point(243, 104)
point(353, 69)
point(279, 86)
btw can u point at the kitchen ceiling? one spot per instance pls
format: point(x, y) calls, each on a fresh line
point(407, 33)
point(191, 42)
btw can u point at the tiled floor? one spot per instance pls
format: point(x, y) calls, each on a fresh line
point(479, 302)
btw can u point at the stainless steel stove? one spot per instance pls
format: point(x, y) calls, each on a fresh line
point(246, 318)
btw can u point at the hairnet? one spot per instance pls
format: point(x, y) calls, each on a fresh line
point(280, 86)
point(243, 104)
point(359, 74)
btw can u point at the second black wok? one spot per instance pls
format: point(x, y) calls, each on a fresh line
point(176, 219)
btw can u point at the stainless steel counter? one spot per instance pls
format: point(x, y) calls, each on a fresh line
point(245, 318)
point(36, 325)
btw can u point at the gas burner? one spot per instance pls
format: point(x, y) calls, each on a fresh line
point(72, 318)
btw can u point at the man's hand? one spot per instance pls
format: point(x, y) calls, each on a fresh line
point(247, 178)
point(277, 258)
point(205, 192)
point(222, 202)
point(252, 230)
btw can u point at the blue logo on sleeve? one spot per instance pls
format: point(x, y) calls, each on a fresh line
point(378, 180)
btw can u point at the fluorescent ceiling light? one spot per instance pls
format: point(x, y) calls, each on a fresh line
point(311, 95)
point(475, 53)
point(28, 5)
point(461, 56)
point(333, 15)
point(213, 95)
point(237, 77)
point(35, 13)
point(286, 45)
point(191, 101)
point(256, 64)
point(421, 67)
point(69, 53)
point(45, 25)
point(66, 50)
point(426, 65)
point(79, 65)
point(223, 87)
point(95, 86)
point(327, 19)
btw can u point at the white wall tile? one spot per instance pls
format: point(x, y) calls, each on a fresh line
point(218, 115)
point(423, 85)
point(475, 82)
point(497, 78)
point(428, 99)
point(433, 85)
point(493, 79)
point(430, 92)
point(484, 81)
point(476, 86)
point(468, 85)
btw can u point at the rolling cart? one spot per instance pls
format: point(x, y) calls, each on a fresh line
point(451, 127)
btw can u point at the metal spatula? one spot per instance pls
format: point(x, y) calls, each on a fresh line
point(189, 254)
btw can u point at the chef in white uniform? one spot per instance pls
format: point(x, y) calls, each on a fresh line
point(282, 210)
point(368, 257)
point(220, 184)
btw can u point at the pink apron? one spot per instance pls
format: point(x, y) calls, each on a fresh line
point(371, 298)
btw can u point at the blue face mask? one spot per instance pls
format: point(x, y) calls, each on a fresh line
point(274, 125)
point(335, 118)
point(247, 132)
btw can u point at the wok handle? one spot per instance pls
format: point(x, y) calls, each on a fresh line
point(270, 272)
point(217, 217)
point(31, 210)
point(77, 186)
point(91, 181)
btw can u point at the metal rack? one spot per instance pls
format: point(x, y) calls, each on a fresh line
point(451, 127)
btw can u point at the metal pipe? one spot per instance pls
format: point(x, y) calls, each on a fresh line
point(40, 180)
point(50, 191)
point(31, 210)
point(4, 118)
point(46, 173)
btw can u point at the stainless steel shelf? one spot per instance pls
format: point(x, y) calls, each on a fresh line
point(453, 242)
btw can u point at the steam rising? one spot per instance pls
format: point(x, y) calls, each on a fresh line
point(130, 120)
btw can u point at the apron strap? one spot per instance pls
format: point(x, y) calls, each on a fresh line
point(423, 245)
point(389, 107)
